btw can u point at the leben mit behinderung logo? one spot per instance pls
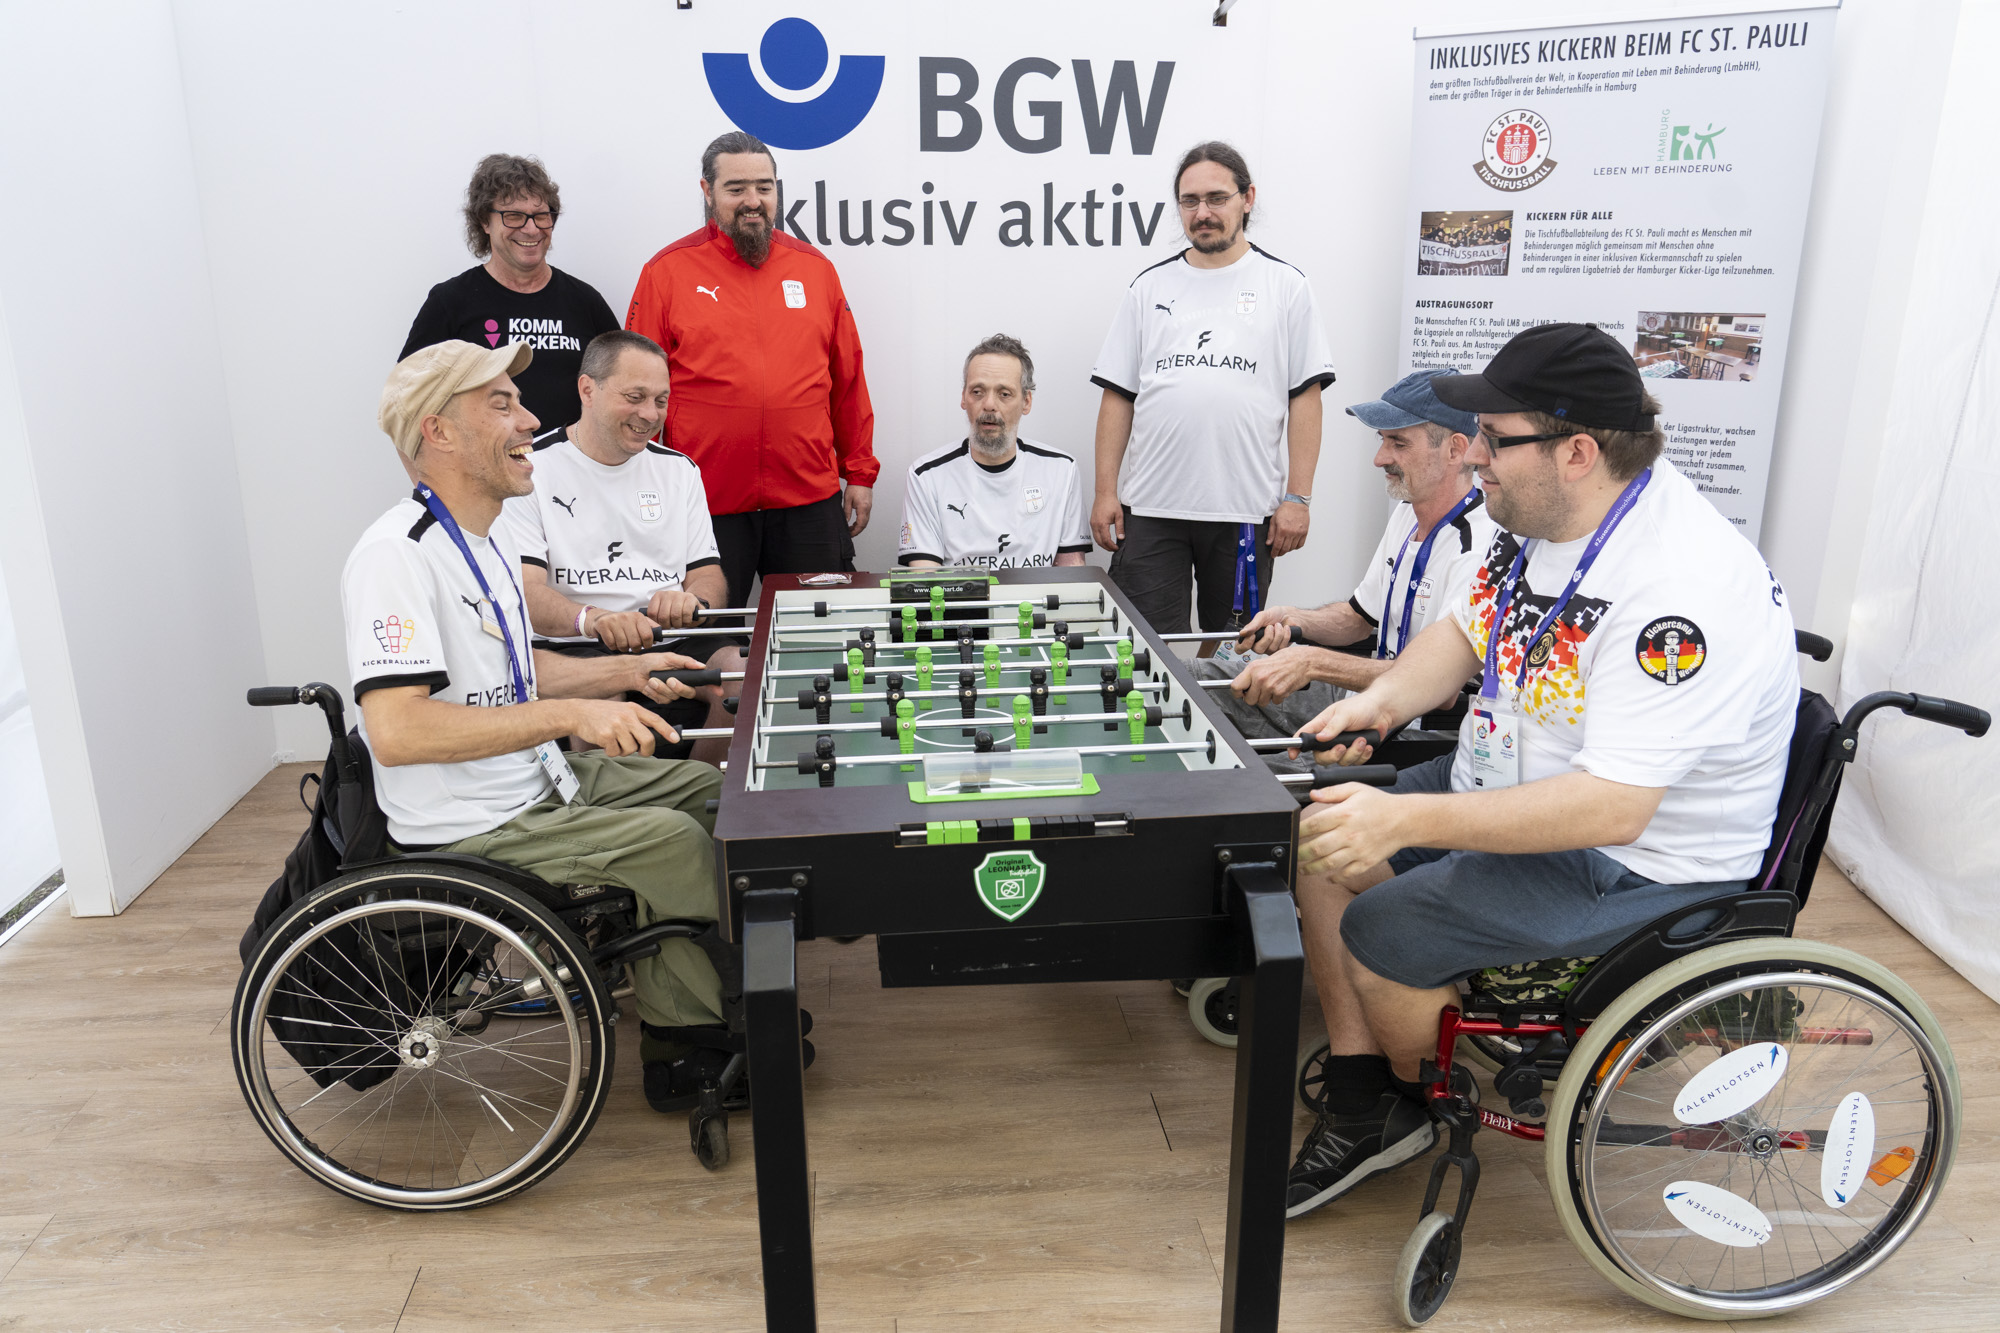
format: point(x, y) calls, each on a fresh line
point(793, 56)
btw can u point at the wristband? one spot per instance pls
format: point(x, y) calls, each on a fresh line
point(1293, 497)
point(580, 617)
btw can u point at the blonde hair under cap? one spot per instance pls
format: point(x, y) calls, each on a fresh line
point(428, 378)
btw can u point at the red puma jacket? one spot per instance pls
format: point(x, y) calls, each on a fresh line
point(768, 393)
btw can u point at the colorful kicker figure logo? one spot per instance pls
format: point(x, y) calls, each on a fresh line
point(395, 634)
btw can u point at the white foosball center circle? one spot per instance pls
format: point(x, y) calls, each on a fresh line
point(999, 723)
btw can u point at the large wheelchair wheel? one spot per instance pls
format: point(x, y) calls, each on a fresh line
point(423, 1037)
point(1751, 1128)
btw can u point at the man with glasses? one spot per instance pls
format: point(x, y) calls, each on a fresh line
point(1622, 760)
point(1434, 540)
point(769, 399)
point(1208, 431)
point(516, 295)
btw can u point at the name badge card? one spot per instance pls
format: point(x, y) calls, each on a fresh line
point(1496, 745)
point(556, 764)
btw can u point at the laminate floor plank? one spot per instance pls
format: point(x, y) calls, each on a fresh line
point(985, 1158)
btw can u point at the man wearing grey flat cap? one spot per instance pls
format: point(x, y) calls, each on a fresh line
point(462, 715)
point(1433, 541)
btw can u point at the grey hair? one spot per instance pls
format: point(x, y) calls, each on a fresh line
point(736, 141)
point(1000, 344)
point(600, 359)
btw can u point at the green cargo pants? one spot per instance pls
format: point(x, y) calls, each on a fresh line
point(640, 824)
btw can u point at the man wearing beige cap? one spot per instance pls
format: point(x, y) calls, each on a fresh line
point(462, 716)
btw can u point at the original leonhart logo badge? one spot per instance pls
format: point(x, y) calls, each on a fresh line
point(1515, 152)
point(1009, 882)
point(1671, 649)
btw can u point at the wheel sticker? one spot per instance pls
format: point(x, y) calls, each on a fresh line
point(1850, 1143)
point(1715, 1213)
point(1735, 1082)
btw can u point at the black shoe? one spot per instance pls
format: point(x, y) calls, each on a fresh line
point(1341, 1151)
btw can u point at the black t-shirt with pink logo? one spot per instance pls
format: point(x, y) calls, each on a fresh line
point(558, 322)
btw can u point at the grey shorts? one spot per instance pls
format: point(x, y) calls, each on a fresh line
point(1446, 915)
point(1283, 718)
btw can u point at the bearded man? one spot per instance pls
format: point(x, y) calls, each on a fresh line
point(769, 399)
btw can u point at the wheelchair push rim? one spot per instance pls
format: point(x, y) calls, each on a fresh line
point(478, 1106)
point(1744, 1147)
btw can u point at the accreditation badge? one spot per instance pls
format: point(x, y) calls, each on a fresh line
point(1496, 744)
point(556, 764)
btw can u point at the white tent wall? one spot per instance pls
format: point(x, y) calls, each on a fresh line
point(1914, 828)
point(28, 852)
point(124, 541)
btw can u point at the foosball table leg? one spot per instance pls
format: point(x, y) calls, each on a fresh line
point(1260, 1138)
point(778, 1116)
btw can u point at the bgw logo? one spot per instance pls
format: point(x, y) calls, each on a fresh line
point(796, 104)
point(793, 55)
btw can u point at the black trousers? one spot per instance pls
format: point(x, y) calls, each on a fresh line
point(1163, 560)
point(807, 539)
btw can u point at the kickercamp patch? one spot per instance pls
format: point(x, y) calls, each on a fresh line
point(1671, 649)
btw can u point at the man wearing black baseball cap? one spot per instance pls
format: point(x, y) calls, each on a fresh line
point(1622, 760)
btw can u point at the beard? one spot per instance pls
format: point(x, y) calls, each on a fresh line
point(753, 243)
point(992, 445)
point(1399, 487)
point(1214, 242)
point(1535, 507)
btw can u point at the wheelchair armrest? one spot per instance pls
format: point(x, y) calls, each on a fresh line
point(1757, 912)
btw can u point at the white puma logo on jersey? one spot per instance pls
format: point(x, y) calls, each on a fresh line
point(710, 292)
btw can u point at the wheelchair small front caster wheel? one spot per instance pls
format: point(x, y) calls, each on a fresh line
point(1312, 1077)
point(709, 1137)
point(1427, 1269)
point(1212, 1010)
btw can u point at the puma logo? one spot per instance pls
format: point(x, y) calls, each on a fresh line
point(566, 504)
point(957, 509)
point(710, 292)
point(469, 602)
point(1168, 307)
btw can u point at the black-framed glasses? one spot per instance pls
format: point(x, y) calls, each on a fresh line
point(1215, 199)
point(513, 217)
point(1503, 441)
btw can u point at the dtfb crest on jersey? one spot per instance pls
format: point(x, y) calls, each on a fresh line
point(650, 508)
point(1032, 500)
point(795, 294)
point(1246, 302)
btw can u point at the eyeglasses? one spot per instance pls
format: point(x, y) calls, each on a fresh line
point(1215, 200)
point(1503, 441)
point(509, 217)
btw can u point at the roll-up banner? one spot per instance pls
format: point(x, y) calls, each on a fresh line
point(1650, 177)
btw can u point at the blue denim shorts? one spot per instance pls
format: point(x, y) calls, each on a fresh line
point(1446, 915)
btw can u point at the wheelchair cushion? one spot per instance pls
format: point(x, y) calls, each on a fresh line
point(1545, 982)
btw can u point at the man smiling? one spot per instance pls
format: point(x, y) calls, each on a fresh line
point(461, 715)
point(769, 399)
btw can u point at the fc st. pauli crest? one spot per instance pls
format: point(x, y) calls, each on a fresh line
point(1009, 882)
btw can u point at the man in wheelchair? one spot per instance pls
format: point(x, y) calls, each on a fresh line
point(461, 716)
point(1624, 757)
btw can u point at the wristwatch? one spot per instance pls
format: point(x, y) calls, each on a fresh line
point(1294, 498)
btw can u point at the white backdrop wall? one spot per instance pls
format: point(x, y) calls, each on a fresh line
point(331, 148)
point(1915, 825)
point(125, 547)
point(313, 160)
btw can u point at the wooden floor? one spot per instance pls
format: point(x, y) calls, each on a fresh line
point(1034, 1158)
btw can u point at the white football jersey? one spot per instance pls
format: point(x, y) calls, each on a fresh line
point(1447, 577)
point(611, 537)
point(1212, 359)
point(414, 615)
point(1020, 515)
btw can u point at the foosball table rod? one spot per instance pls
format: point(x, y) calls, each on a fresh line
point(821, 610)
point(1371, 775)
point(1298, 635)
point(826, 763)
point(1077, 685)
point(886, 726)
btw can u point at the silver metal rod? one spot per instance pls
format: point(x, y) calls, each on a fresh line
point(1155, 747)
point(947, 645)
point(1200, 636)
point(1075, 686)
point(1215, 684)
point(1278, 743)
point(706, 733)
point(896, 608)
point(923, 724)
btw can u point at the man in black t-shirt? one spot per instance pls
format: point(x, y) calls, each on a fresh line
point(516, 296)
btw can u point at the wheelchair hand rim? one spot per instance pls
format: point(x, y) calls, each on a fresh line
point(281, 1121)
point(1897, 1225)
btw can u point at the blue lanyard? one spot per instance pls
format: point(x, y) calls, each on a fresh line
point(1489, 681)
point(1417, 568)
point(450, 526)
point(1246, 567)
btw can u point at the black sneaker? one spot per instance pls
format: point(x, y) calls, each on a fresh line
point(1341, 1151)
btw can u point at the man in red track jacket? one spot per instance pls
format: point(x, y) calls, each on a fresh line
point(768, 394)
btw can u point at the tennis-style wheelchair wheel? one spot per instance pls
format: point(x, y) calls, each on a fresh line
point(1751, 1128)
point(1212, 1010)
point(423, 1037)
point(1427, 1268)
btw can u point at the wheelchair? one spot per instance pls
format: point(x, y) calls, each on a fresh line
point(1735, 1123)
point(430, 1031)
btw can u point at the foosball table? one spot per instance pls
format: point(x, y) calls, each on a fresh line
point(1004, 778)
